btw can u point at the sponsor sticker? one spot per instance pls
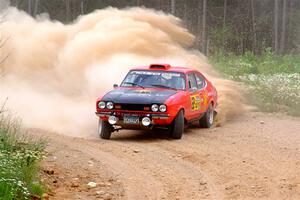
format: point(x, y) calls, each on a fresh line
point(170, 75)
point(146, 73)
point(142, 91)
point(196, 100)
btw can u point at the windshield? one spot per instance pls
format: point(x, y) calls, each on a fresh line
point(169, 80)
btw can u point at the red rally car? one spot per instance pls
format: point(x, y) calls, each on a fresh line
point(158, 96)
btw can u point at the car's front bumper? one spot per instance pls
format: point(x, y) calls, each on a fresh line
point(157, 119)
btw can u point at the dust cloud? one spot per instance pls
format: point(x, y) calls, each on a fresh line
point(55, 72)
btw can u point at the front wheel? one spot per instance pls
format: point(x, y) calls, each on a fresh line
point(178, 126)
point(104, 129)
point(208, 118)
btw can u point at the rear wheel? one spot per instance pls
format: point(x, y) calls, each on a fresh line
point(178, 126)
point(104, 129)
point(208, 118)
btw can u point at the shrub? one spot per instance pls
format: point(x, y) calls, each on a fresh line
point(19, 158)
point(277, 92)
point(273, 81)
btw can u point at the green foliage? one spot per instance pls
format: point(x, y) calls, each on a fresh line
point(267, 63)
point(19, 158)
point(273, 81)
point(277, 92)
point(221, 38)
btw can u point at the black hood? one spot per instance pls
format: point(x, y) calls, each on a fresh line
point(138, 96)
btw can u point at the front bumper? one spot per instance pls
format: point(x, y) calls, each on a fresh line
point(157, 119)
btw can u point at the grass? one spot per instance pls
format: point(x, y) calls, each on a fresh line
point(19, 159)
point(273, 82)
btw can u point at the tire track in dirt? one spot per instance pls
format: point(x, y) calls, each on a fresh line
point(244, 159)
point(255, 165)
point(133, 178)
point(179, 180)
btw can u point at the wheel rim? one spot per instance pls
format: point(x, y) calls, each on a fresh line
point(211, 116)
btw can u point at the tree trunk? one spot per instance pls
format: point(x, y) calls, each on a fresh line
point(29, 7)
point(253, 28)
point(36, 7)
point(283, 30)
point(290, 24)
point(204, 41)
point(82, 7)
point(225, 13)
point(276, 12)
point(67, 10)
point(199, 23)
point(173, 7)
point(185, 12)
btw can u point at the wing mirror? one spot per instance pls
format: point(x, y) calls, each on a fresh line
point(115, 85)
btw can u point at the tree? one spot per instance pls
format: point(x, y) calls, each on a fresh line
point(276, 16)
point(173, 6)
point(30, 7)
point(233, 25)
point(253, 27)
point(82, 7)
point(36, 7)
point(68, 12)
point(283, 30)
point(204, 39)
point(225, 13)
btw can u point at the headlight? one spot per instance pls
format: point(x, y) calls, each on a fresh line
point(154, 107)
point(162, 108)
point(110, 105)
point(146, 121)
point(101, 105)
point(112, 120)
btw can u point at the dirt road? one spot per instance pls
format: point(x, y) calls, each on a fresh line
point(256, 156)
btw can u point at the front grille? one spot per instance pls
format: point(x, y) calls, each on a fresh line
point(138, 107)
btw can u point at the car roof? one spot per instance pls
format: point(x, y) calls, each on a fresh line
point(165, 67)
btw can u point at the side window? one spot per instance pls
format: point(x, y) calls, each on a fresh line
point(200, 81)
point(192, 82)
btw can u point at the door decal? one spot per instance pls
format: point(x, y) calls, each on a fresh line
point(196, 100)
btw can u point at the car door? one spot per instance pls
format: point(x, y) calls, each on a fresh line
point(201, 85)
point(195, 99)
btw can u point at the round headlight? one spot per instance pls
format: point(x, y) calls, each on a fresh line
point(112, 120)
point(154, 107)
point(110, 105)
point(146, 121)
point(162, 108)
point(101, 105)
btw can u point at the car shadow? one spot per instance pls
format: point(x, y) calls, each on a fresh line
point(152, 135)
point(141, 135)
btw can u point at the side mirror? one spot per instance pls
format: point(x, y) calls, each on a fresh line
point(115, 85)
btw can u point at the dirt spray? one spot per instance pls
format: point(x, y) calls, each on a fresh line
point(54, 72)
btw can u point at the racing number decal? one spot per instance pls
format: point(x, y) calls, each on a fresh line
point(195, 99)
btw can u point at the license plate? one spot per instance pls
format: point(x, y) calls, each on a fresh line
point(131, 120)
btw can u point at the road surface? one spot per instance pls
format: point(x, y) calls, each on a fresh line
point(255, 156)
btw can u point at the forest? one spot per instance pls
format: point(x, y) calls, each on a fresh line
point(255, 42)
point(234, 26)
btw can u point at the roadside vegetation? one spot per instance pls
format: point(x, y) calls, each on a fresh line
point(273, 81)
point(19, 161)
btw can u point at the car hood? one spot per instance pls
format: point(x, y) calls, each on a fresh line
point(138, 96)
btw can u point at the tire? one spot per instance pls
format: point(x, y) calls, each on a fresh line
point(104, 129)
point(178, 126)
point(208, 118)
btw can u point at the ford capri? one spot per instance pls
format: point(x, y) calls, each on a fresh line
point(158, 96)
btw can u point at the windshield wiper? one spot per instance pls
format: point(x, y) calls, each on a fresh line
point(135, 84)
point(163, 86)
